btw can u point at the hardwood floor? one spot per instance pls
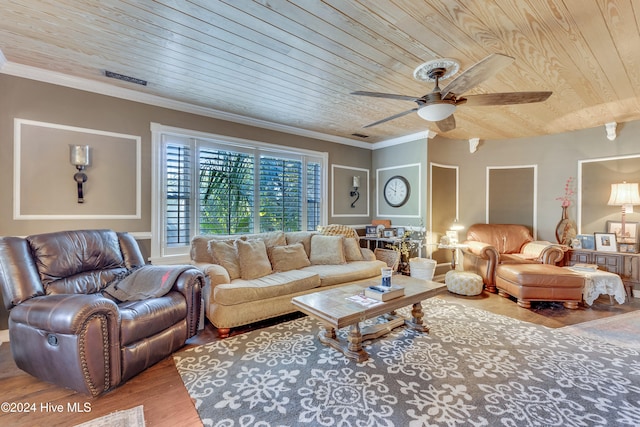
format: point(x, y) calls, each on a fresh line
point(166, 401)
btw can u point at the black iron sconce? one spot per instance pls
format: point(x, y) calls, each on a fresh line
point(79, 157)
point(354, 193)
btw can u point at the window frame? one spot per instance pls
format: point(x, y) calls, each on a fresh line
point(161, 253)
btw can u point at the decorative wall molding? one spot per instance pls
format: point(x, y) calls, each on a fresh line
point(362, 205)
point(55, 197)
point(533, 191)
point(413, 208)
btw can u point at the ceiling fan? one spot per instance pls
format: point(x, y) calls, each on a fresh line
point(439, 105)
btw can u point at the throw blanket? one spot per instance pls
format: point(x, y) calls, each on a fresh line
point(145, 282)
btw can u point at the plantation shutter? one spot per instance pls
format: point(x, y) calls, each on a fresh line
point(226, 184)
point(314, 194)
point(281, 195)
point(178, 194)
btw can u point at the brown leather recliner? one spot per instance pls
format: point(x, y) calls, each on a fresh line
point(489, 245)
point(62, 328)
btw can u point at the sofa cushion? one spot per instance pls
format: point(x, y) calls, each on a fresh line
point(352, 250)
point(518, 259)
point(303, 237)
point(506, 238)
point(199, 249)
point(142, 319)
point(327, 250)
point(270, 239)
point(253, 258)
point(225, 253)
point(288, 257)
point(350, 272)
point(273, 285)
point(64, 254)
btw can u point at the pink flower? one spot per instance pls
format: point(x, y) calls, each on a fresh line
point(568, 193)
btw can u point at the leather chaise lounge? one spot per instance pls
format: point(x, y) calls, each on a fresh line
point(65, 328)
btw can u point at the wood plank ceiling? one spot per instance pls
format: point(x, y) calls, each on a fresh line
point(295, 63)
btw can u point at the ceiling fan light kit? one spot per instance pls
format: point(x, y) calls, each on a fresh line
point(437, 112)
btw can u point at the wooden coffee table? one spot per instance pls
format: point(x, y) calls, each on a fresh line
point(335, 311)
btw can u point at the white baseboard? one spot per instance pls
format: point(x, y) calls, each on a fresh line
point(4, 335)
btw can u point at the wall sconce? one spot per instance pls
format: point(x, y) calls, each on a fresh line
point(79, 157)
point(625, 195)
point(354, 193)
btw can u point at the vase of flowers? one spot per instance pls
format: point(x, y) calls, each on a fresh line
point(566, 229)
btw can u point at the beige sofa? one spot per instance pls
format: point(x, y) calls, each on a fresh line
point(253, 277)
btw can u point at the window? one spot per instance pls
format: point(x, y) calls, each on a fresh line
point(206, 185)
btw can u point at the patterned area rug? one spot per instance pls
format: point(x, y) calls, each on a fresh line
point(473, 368)
point(622, 330)
point(133, 417)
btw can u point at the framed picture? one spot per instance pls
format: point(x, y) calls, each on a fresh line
point(631, 248)
point(388, 233)
point(576, 244)
point(630, 231)
point(400, 232)
point(606, 242)
point(371, 231)
point(587, 241)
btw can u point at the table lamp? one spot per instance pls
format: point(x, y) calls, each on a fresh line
point(626, 195)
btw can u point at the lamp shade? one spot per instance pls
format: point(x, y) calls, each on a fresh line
point(437, 111)
point(79, 155)
point(625, 193)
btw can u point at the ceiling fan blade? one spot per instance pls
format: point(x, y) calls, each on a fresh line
point(508, 98)
point(478, 73)
point(395, 116)
point(385, 95)
point(447, 124)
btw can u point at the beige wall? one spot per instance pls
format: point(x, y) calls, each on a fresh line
point(557, 159)
point(27, 99)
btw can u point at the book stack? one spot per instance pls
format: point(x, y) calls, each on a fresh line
point(384, 293)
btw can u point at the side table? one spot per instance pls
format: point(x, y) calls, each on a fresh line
point(453, 247)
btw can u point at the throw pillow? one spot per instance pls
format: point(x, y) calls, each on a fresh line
point(289, 257)
point(352, 249)
point(254, 262)
point(224, 252)
point(327, 250)
point(303, 237)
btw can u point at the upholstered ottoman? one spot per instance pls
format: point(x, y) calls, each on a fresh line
point(539, 282)
point(463, 282)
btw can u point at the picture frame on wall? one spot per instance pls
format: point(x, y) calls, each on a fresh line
point(587, 241)
point(606, 242)
point(630, 231)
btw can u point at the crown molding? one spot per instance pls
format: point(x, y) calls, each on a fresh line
point(404, 139)
point(60, 79)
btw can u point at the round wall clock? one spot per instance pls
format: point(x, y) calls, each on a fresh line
point(396, 191)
